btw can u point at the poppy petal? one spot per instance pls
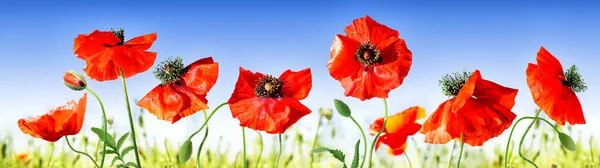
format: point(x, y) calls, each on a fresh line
point(549, 64)
point(496, 93)
point(197, 103)
point(396, 143)
point(88, 45)
point(296, 85)
point(375, 127)
point(364, 85)
point(164, 102)
point(434, 127)
point(143, 42)
point(342, 62)
point(367, 29)
point(244, 87)
point(405, 121)
point(101, 68)
point(398, 54)
point(132, 61)
point(273, 116)
point(201, 75)
point(480, 120)
point(466, 91)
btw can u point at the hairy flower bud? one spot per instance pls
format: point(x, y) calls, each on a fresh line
point(74, 80)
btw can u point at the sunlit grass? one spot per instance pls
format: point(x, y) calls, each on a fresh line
point(547, 152)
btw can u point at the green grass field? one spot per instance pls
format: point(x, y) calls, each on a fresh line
point(548, 152)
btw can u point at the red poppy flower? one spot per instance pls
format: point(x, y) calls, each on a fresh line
point(481, 110)
point(370, 60)
point(62, 121)
point(397, 129)
point(554, 92)
point(105, 54)
point(266, 103)
point(183, 89)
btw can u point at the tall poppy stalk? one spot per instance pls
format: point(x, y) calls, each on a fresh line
point(131, 125)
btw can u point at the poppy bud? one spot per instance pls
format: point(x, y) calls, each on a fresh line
point(110, 121)
point(74, 80)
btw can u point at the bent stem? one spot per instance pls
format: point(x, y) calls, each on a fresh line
point(385, 106)
point(462, 144)
point(315, 140)
point(523, 138)
point(261, 149)
point(408, 160)
point(132, 127)
point(244, 142)
point(203, 140)
point(509, 139)
point(207, 119)
point(364, 140)
point(280, 151)
point(79, 152)
point(103, 123)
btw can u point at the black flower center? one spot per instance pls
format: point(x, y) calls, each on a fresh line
point(268, 87)
point(451, 84)
point(574, 80)
point(368, 54)
point(170, 70)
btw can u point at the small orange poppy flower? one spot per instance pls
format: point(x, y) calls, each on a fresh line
point(397, 129)
point(22, 156)
point(553, 90)
point(183, 89)
point(62, 121)
point(266, 103)
point(370, 60)
point(480, 110)
point(106, 53)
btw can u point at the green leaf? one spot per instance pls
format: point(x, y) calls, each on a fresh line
point(131, 164)
point(127, 150)
point(185, 152)
point(566, 141)
point(356, 159)
point(115, 159)
point(342, 108)
point(337, 154)
point(108, 139)
point(122, 140)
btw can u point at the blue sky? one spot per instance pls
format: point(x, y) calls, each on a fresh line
point(497, 38)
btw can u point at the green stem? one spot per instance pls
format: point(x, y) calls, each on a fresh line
point(592, 151)
point(462, 144)
point(206, 121)
point(52, 154)
point(408, 159)
point(244, 143)
point(103, 123)
point(79, 152)
point(523, 139)
point(280, 151)
point(137, 157)
point(261, 149)
point(451, 152)
point(168, 153)
point(203, 140)
point(510, 137)
point(364, 140)
point(385, 106)
point(315, 140)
